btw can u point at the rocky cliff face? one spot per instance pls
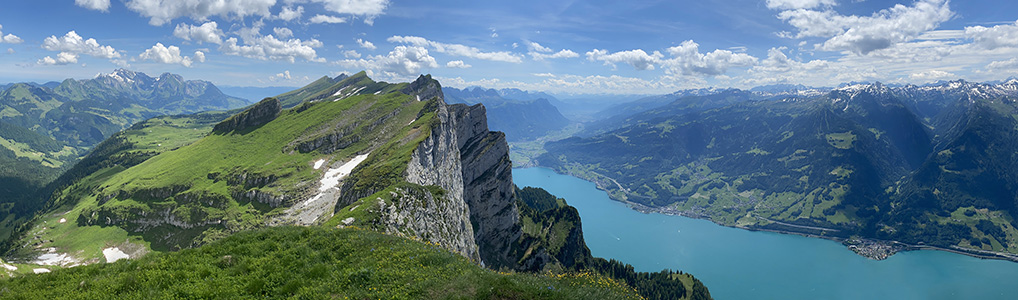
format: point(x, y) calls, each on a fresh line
point(259, 114)
point(488, 185)
point(472, 165)
point(436, 161)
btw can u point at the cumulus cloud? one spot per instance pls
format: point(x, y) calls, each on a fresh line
point(459, 64)
point(369, 9)
point(169, 55)
point(351, 54)
point(366, 44)
point(538, 52)
point(318, 19)
point(289, 13)
point(161, 12)
point(865, 34)
point(71, 45)
point(206, 33)
point(269, 47)
point(281, 76)
point(199, 56)
point(1010, 64)
point(931, 75)
point(798, 4)
point(456, 49)
point(994, 37)
point(282, 32)
point(100, 5)
point(9, 38)
point(401, 62)
point(687, 60)
point(63, 58)
point(639, 59)
point(684, 59)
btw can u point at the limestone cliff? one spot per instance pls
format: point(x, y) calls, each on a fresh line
point(262, 112)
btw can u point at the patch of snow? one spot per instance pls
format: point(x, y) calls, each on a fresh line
point(348, 221)
point(62, 220)
point(333, 176)
point(319, 163)
point(411, 122)
point(53, 258)
point(40, 271)
point(418, 98)
point(378, 92)
point(114, 254)
point(355, 207)
point(8, 267)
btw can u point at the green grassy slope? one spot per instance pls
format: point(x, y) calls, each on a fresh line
point(308, 263)
point(845, 164)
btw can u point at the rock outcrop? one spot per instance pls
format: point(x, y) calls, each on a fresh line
point(259, 114)
point(488, 186)
point(424, 88)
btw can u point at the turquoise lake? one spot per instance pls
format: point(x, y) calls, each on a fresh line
point(741, 264)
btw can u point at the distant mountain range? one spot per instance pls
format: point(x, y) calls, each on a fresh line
point(521, 115)
point(934, 165)
point(46, 128)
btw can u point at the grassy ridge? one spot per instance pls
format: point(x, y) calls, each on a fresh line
point(308, 263)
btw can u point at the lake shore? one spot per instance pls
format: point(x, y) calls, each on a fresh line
point(866, 247)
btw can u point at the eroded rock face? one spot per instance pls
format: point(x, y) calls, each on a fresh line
point(263, 112)
point(424, 88)
point(488, 186)
point(420, 214)
point(436, 161)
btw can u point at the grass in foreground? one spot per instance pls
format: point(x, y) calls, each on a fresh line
point(307, 263)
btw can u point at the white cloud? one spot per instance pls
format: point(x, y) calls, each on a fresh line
point(351, 54)
point(564, 53)
point(168, 55)
point(862, 35)
point(538, 52)
point(456, 49)
point(100, 5)
point(459, 64)
point(366, 44)
point(581, 84)
point(71, 45)
point(369, 9)
point(931, 76)
point(10, 50)
point(161, 12)
point(283, 32)
point(9, 38)
point(199, 56)
point(687, 60)
point(281, 76)
point(401, 62)
point(534, 46)
point(269, 47)
point(206, 33)
point(994, 37)
point(797, 4)
point(289, 14)
point(1011, 64)
point(63, 58)
point(318, 19)
point(543, 74)
point(636, 58)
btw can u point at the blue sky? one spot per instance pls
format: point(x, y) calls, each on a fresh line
point(614, 47)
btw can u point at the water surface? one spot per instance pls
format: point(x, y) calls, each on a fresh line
point(741, 264)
